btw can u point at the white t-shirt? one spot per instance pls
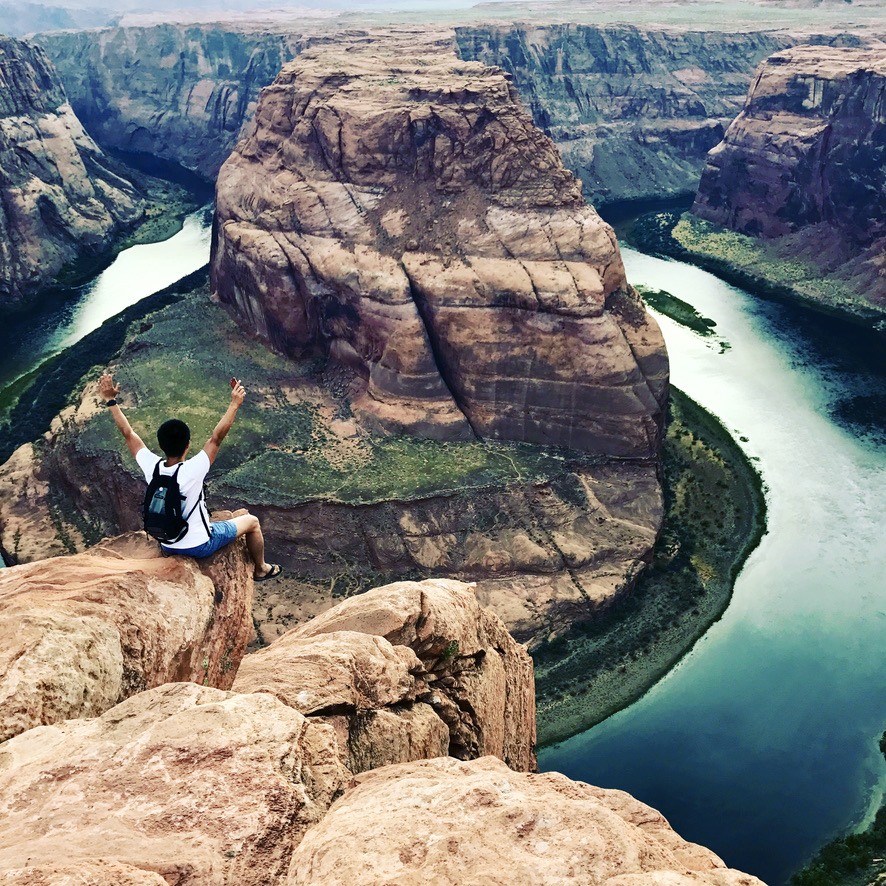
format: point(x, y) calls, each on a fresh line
point(190, 482)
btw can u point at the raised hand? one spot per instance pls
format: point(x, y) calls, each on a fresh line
point(106, 388)
point(238, 393)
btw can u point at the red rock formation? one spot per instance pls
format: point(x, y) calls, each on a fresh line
point(200, 786)
point(480, 824)
point(468, 692)
point(396, 208)
point(481, 680)
point(803, 163)
point(79, 634)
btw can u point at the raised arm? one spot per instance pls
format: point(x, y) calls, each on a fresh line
point(109, 391)
point(221, 429)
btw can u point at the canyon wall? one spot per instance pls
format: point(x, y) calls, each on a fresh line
point(802, 166)
point(179, 92)
point(633, 111)
point(58, 199)
point(394, 207)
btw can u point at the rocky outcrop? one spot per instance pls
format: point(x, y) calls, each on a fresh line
point(79, 634)
point(396, 208)
point(407, 671)
point(364, 687)
point(179, 92)
point(633, 111)
point(58, 199)
point(478, 824)
point(194, 784)
point(802, 165)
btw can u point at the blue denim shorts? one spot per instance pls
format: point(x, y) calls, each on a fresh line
point(220, 534)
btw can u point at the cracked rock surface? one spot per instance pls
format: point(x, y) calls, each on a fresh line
point(403, 672)
point(395, 208)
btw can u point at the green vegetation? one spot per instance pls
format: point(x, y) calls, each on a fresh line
point(283, 453)
point(756, 265)
point(851, 860)
point(678, 310)
point(714, 517)
point(28, 407)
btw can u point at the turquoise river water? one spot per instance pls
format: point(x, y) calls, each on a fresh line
point(762, 743)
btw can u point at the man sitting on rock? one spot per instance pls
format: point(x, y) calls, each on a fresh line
point(202, 537)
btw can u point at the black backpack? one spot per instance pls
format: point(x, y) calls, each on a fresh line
point(162, 510)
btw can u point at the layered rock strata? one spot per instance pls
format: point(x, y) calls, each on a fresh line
point(58, 198)
point(479, 824)
point(79, 634)
point(633, 111)
point(407, 671)
point(802, 166)
point(395, 208)
point(180, 92)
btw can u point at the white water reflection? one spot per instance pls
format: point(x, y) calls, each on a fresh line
point(763, 741)
point(138, 272)
point(135, 273)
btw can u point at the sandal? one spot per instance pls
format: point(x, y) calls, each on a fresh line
point(273, 572)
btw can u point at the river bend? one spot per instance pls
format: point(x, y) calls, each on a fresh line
point(762, 743)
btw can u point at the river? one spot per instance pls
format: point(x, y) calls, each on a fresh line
point(134, 274)
point(762, 743)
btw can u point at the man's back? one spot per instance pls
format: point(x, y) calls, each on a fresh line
point(190, 481)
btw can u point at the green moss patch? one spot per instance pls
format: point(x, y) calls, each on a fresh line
point(790, 268)
point(678, 310)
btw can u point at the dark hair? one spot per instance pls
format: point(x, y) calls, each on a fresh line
point(173, 437)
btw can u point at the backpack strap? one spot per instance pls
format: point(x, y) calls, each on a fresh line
point(187, 516)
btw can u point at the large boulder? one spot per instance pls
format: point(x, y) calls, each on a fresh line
point(364, 687)
point(479, 824)
point(194, 784)
point(480, 680)
point(395, 208)
point(79, 634)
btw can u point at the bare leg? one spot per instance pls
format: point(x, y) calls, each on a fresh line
point(248, 525)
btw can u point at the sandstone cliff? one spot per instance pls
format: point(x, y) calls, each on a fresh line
point(801, 168)
point(191, 785)
point(395, 208)
point(58, 199)
point(79, 634)
point(633, 111)
point(181, 93)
